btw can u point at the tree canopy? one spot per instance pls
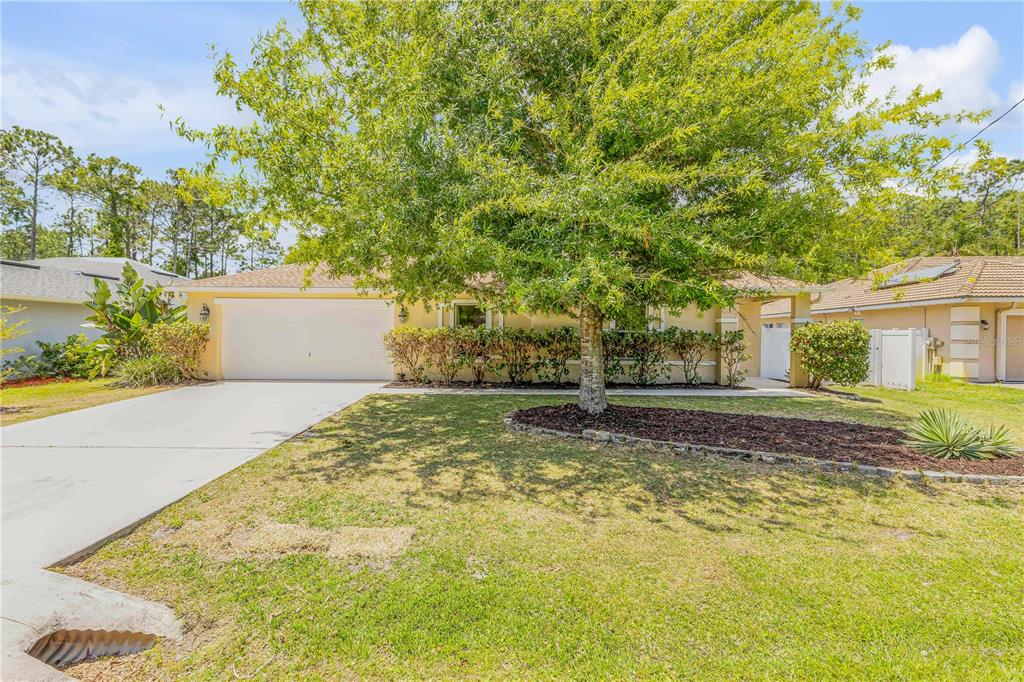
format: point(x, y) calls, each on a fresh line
point(54, 203)
point(576, 157)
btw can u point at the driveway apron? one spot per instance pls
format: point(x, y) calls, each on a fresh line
point(72, 481)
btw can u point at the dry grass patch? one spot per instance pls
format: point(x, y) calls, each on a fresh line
point(227, 541)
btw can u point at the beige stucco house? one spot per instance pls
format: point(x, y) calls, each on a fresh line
point(290, 322)
point(972, 308)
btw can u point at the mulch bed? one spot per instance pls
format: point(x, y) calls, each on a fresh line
point(825, 440)
point(37, 381)
point(551, 385)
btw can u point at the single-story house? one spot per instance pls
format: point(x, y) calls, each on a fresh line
point(290, 322)
point(971, 306)
point(52, 292)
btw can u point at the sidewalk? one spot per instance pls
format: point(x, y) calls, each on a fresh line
point(752, 388)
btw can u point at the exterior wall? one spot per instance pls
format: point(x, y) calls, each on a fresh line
point(750, 315)
point(47, 322)
point(967, 348)
point(426, 316)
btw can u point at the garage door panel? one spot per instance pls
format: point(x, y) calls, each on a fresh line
point(305, 340)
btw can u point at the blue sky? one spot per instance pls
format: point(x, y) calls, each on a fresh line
point(94, 73)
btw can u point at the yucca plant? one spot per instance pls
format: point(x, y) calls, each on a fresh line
point(946, 435)
point(999, 443)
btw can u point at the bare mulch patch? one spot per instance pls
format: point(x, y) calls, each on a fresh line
point(825, 440)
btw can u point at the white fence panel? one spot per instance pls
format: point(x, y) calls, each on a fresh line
point(775, 353)
point(897, 357)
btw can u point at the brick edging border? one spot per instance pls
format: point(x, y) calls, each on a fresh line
point(765, 457)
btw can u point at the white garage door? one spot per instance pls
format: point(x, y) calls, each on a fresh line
point(307, 340)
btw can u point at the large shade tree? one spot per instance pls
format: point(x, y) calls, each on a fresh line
point(570, 157)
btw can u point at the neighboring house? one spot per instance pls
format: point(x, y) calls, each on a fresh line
point(972, 308)
point(52, 292)
point(282, 323)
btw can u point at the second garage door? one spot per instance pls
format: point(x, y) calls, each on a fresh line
point(305, 339)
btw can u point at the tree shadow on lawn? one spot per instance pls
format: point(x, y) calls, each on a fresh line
point(460, 451)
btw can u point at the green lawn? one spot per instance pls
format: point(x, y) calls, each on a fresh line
point(33, 402)
point(983, 404)
point(539, 558)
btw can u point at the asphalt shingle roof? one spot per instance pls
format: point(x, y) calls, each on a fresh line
point(973, 277)
point(69, 280)
point(292, 276)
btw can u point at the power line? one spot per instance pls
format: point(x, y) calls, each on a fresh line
point(963, 144)
point(973, 137)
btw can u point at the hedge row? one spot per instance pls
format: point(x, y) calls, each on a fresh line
point(513, 353)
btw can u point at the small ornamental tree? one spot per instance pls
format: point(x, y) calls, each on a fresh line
point(407, 347)
point(732, 353)
point(443, 351)
point(10, 330)
point(691, 345)
point(477, 345)
point(837, 352)
point(516, 350)
point(559, 346)
point(567, 157)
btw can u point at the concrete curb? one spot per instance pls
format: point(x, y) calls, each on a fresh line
point(765, 457)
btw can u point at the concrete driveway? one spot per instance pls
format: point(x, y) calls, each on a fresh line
point(74, 480)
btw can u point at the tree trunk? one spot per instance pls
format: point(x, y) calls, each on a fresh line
point(35, 215)
point(593, 399)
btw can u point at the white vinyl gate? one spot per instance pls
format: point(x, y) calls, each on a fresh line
point(775, 353)
point(897, 357)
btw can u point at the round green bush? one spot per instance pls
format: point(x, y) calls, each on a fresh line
point(836, 352)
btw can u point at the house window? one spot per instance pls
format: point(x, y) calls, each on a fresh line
point(633, 319)
point(470, 315)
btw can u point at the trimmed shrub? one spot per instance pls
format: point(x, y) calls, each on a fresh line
point(407, 347)
point(517, 351)
point(691, 345)
point(649, 352)
point(181, 342)
point(149, 370)
point(476, 344)
point(23, 367)
point(443, 351)
point(75, 357)
point(836, 352)
point(946, 435)
point(732, 352)
point(557, 347)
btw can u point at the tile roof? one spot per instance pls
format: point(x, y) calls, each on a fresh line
point(69, 280)
point(748, 281)
point(293, 276)
point(973, 277)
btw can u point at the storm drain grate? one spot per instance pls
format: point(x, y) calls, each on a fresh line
point(67, 647)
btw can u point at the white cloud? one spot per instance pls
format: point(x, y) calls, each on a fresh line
point(95, 110)
point(962, 70)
